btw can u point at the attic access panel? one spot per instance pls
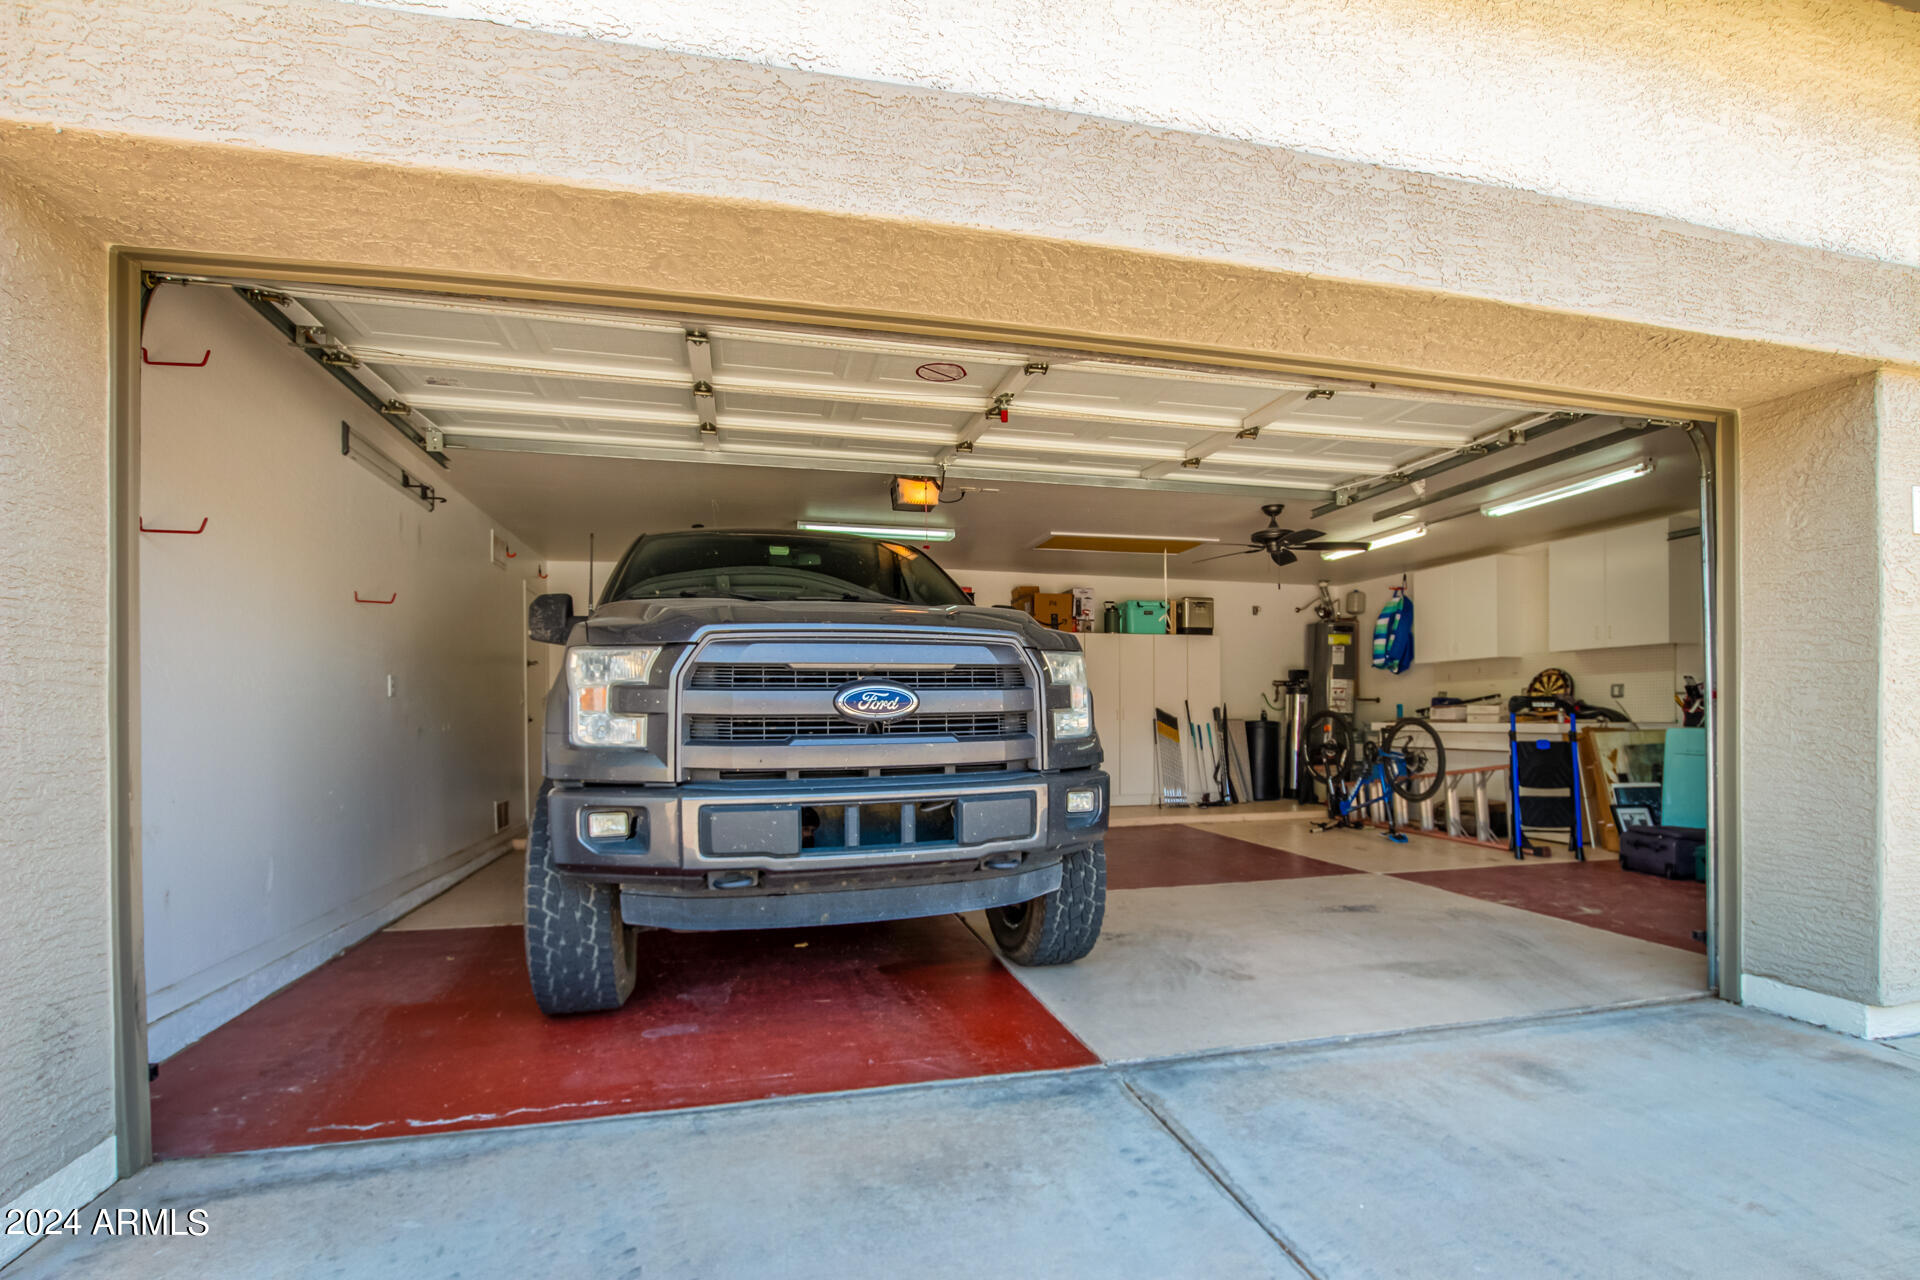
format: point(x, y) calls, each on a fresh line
point(469, 373)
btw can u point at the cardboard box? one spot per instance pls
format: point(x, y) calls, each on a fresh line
point(1051, 608)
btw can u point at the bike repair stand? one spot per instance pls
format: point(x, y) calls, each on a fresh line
point(1516, 839)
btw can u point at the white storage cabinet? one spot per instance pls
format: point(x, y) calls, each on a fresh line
point(1609, 589)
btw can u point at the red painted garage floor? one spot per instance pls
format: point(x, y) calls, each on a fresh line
point(1596, 893)
point(435, 1030)
point(1165, 857)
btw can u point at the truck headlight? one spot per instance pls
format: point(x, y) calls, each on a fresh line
point(591, 676)
point(1075, 720)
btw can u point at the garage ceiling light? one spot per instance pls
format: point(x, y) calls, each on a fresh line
point(1573, 490)
point(898, 532)
point(1138, 543)
point(1401, 535)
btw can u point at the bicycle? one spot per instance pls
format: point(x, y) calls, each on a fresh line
point(1409, 761)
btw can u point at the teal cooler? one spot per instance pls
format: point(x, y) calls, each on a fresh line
point(1143, 617)
point(1683, 785)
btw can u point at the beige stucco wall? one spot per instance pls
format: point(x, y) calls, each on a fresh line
point(392, 145)
point(668, 171)
point(56, 1087)
point(1897, 411)
point(1713, 112)
point(1829, 634)
point(1809, 700)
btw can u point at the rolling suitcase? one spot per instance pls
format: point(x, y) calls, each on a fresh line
point(1661, 851)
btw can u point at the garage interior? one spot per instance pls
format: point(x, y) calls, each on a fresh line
point(348, 498)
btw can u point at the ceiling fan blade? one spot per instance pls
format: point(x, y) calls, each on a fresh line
point(1329, 546)
point(1299, 536)
point(1249, 551)
point(1283, 557)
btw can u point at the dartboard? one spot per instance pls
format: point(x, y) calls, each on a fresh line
point(1551, 683)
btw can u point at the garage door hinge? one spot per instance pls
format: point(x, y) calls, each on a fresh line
point(267, 296)
point(397, 409)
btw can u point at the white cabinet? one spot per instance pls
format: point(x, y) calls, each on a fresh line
point(1132, 675)
point(1577, 593)
point(1609, 589)
point(1489, 607)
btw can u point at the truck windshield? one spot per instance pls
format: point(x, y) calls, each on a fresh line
point(773, 566)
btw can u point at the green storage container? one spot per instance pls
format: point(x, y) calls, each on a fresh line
point(1143, 617)
point(1683, 779)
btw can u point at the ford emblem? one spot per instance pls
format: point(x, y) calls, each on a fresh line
point(873, 702)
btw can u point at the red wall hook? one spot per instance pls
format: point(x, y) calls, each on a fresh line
point(542, 573)
point(389, 600)
point(510, 552)
point(201, 529)
point(177, 364)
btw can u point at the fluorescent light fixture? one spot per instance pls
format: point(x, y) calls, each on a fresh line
point(1573, 490)
point(1140, 543)
point(898, 532)
point(1398, 535)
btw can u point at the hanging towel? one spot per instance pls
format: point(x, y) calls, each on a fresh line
point(1393, 633)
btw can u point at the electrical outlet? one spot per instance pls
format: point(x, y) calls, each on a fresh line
point(1618, 691)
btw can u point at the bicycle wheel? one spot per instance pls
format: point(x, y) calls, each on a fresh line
point(1417, 744)
point(1327, 745)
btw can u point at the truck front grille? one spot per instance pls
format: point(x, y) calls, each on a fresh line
point(715, 675)
point(730, 729)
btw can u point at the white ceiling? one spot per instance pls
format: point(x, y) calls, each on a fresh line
point(568, 421)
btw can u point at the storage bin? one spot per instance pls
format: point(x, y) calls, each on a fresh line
point(1143, 617)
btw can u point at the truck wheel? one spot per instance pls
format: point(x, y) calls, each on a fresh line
point(1057, 927)
point(580, 954)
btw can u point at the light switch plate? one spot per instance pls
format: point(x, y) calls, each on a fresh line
point(1618, 691)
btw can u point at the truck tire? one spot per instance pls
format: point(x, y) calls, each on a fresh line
point(580, 954)
point(1058, 927)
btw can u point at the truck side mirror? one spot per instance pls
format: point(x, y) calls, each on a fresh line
point(550, 618)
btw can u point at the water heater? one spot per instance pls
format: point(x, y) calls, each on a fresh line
point(1333, 665)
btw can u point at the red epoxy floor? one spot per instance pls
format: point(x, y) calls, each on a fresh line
point(433, 1031)
point(1165, 857)
point(1599, 894)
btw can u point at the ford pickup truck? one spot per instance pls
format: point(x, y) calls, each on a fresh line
point(762, 730)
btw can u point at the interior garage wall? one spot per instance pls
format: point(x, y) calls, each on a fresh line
point(1651, 674)
point(292, 799)
point(56, 1051)
point(1256, 648)
point(1260, 634)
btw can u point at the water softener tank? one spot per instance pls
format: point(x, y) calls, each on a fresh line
point(1263, 757)
point(1295, 783)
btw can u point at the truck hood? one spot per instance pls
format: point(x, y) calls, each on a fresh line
point(679, 621)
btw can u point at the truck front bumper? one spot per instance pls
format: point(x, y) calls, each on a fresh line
point(829, 850)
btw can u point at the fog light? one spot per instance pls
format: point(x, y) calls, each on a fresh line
point(609, 824)
point(1083, 800)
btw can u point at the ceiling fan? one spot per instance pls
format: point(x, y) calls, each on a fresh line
point(1281, 544)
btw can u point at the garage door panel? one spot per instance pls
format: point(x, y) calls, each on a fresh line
point(544, 372)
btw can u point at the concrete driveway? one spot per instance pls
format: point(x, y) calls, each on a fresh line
point(1694, 1139)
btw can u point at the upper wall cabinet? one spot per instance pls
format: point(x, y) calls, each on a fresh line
point(1606, 590)
point(1491, 607)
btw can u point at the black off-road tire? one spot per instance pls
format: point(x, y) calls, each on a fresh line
point(1058, 927)
point(581, 956)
